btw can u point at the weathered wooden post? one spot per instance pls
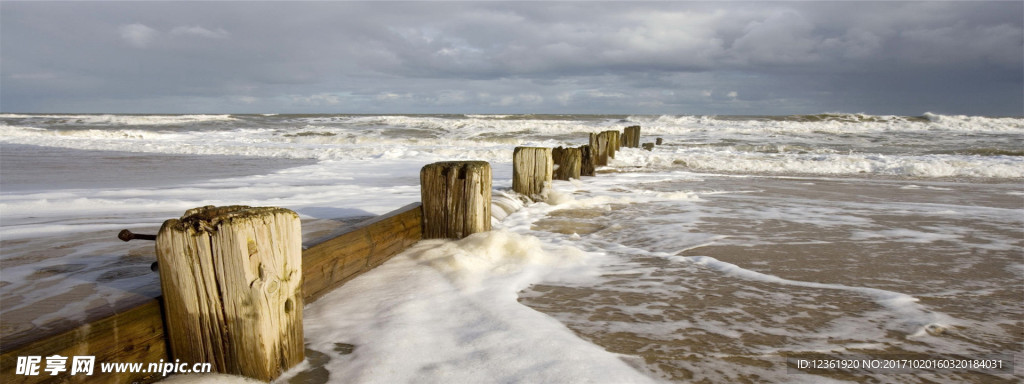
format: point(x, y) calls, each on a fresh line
point(232, 289)
point(659, 141)
point(456, 199)
point(649, 146)
point(567, 163)
point(586, 160)
point(613, 142)
point(609, 148)
point(599, 143)
point(531, 171)
point(631, 137)
point(595, 146)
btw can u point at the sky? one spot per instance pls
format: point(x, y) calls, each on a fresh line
point(725, 58)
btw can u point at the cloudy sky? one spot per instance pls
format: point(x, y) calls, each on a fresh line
point(513, 57)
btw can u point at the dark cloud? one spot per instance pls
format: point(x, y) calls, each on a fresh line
point(507, 57)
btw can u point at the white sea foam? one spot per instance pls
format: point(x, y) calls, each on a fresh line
point(917, 320)
point(489, 138)
point(732, 161)
point(458, 320)
point(831, 123)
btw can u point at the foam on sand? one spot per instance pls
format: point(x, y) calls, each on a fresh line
point(915, 319)
point(458, 320)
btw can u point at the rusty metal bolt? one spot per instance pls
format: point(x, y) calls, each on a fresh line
point(127, 235)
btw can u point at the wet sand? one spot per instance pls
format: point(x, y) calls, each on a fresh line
point(819, 250)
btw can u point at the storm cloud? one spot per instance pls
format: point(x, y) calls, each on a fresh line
point(513, 57)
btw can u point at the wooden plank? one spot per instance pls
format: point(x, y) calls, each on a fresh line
point(331, 261)
point(393, 236)
point(133, 336)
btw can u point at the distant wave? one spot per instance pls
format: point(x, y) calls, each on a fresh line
point(927, 166)
point(110, 119)
point(828, 122)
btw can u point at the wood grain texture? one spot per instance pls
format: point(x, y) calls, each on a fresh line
point(587, 167)
point(135, 335)
point(456, 199)
point(532, 168)
point(232, 287)
point(613, 142)
point(603, 150)
point(331, 261)
point(568, 162)
point(631, 137)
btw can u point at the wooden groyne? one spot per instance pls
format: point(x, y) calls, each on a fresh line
point(233, 292)
point(139, 334)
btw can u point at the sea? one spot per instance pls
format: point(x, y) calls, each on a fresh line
point(744, 249)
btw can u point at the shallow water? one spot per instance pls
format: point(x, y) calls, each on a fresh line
point(64, 264)
point(721, 287)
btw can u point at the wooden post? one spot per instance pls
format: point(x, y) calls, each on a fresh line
point(232, 289)
point(531, 171)
point(613, 142)
point(631, 137)
point(587, 160)
point(599, 142)
point(456, 199)
point(659, 141)
point(649, 146)
point(567, 163)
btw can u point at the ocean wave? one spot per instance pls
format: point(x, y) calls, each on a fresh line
point(837, 123)
point(832, 145)
point(120, 120)
point(833, 164)
point(852, 118)
point(976, 123)
point(987, 151)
